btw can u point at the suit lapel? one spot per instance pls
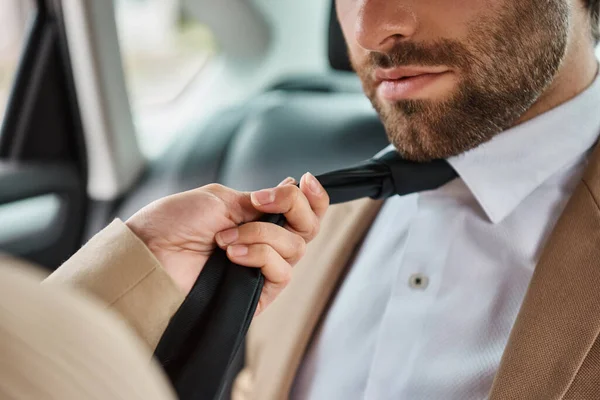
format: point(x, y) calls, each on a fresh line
point(297, 311)
point(560, 317)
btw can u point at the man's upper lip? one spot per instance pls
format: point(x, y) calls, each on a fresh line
point(391, 74)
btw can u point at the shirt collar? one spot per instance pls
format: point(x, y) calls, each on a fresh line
point(501, 173)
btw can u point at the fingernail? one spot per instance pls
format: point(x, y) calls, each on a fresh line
point(313, 184)
point(237, 251)
point(263, 197)
point(287, 181)
point(228, 236)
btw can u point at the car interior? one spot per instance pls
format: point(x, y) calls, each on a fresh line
point(277, 99)
point(69, 162)
point(296, 123)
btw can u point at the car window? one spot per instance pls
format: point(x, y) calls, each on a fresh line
point(15, 19)
point(164, 49)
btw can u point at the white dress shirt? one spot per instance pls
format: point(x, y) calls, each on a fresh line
point(426, 309)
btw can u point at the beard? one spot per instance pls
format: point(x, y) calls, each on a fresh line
point(506, 62)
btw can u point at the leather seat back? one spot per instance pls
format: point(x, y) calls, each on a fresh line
point(299, 132)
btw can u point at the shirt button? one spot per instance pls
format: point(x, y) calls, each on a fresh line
point(418, 282)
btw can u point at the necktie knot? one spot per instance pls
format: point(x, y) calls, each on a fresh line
point(385, 176)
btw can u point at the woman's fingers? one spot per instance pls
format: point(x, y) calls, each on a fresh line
point(276, 270)
point(289, 245)
point(302, 207)
point(272, 248)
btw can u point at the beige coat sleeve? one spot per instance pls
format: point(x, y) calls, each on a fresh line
point(57, 344)
point(118, 269)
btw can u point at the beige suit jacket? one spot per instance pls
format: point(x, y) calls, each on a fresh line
point(554, 348)
point(68, 338)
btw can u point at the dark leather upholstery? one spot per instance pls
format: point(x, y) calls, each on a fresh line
point(301, 132)
point(257, 145)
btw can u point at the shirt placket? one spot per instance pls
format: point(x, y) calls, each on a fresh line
point(415, 288)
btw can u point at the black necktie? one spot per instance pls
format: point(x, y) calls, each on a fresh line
point(203, 337)
point(385, 176)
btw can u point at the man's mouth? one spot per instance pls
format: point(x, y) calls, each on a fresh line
point(406, 83)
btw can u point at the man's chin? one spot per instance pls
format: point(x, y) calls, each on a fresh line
point(422, 131)
point(413, 141)
point(423, 145)
point(413, 148)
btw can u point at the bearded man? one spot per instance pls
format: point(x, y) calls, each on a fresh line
point(489, 286)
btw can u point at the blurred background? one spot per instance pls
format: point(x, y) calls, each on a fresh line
point(14, 19)
point(165, 49)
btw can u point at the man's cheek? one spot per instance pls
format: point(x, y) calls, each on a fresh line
point(359, 58)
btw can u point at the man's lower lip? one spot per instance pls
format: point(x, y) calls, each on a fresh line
point(407, 88)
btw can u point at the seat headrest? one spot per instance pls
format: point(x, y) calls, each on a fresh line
point(338, 50)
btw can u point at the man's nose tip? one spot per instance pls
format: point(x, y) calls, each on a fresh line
point(381, 25)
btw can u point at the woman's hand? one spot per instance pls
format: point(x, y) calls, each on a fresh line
point(183, 230)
